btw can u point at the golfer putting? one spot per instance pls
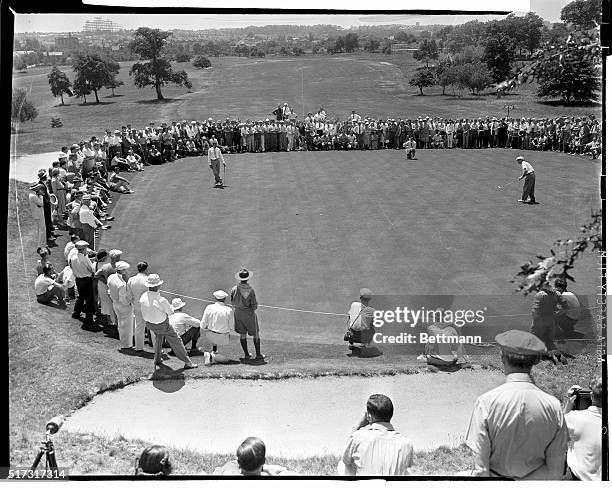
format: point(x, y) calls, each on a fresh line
point(529, 185)
point(215, 158)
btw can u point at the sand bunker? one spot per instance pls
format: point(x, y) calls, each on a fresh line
point(295, 417)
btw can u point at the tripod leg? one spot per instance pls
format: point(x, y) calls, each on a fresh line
point(51, 461)
point(37, 460)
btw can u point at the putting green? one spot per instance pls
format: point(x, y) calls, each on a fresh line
point(314, 227)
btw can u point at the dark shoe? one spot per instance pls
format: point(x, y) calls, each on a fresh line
point(260, 357)
point(76, 315)
point(171, 353)
point(190, 366)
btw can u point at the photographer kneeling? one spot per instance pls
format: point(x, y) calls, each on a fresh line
point(584, 428)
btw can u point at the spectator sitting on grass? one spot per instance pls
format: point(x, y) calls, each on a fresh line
point(375, 447)
point(440, 353)
point(251, 461)
point(47, 289)
point(593, 148)
point(43, 252)
point(118, 183)
point(154, 461)
point(134, 161)
point(120, 163)
point(154, 156)
point(584, 428)
point(361, 322)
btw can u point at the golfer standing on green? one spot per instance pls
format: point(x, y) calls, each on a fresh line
point(529, 185)
point(215, 158)
point(244, 301)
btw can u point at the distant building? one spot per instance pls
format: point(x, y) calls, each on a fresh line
point(401, 47)
point(98, 24)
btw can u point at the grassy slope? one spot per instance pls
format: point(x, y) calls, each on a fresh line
point(375, 85)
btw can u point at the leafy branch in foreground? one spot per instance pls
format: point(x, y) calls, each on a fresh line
point(565, 252)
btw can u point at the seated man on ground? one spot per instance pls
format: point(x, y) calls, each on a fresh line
point(118, 163)
point(593, 148)
point(584, 429)
point(361, 323)
point(410, 147)
point(118, 183)
point(440, 353)
point(216, 323)
point(375, 447)
point(155, 157)
point(134, 160)
point(251, 461)
point(567, 313)
point(186, 326)
point(47, 288)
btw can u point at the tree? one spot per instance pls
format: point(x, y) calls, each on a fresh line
point(198, 48)
point(401, 36)
point(182, 57)
point(423, 77)
point(201, 62)
point(499, 56)
point(479, 77)
point(445, 74)
point(149, 45)
point(92, 71)
point(256, 52)
point(582, 14)
point(81, 89)
point(570, 69)
point(297, 51)
point(113, 68)
point(351, 42)
point(373, 45)
point(339, 47)
point(428, 50)
point(21, 65)
point(532, 32)
point(22, 110)
point(59, 83)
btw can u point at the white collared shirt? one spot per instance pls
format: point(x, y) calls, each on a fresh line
point(218, 317)
point(584, 447)
point(117, 290)
point(527, 168)
point(215, 153)
point(136, 286)
point(377, 449)
point(154, 307)
point(182, 322)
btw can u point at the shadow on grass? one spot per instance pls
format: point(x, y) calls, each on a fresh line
point(55, 305)
point(93, 104)
point(168, 385)
point(114, 96)
point(561, 103)
point(155, 101)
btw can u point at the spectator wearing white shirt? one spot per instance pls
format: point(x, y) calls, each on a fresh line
point(136, 286)
point(83, 270)
point(215, 158)
point(375, 448)
point(47, 289)
point(117, 291)
point(156, 311)
point(585, 433)
point(70, 246)
point(186, 326)
point(216, 324)
point(89, 223)
point(567, 316)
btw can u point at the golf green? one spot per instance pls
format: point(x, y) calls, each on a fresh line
point(315, 227)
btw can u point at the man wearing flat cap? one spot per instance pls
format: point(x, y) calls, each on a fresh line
point(83, 271)
point(361, 322)
point(517, 431)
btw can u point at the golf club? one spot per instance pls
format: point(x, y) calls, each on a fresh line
point(503, 187)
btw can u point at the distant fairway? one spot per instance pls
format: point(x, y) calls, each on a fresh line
point(316, 226)
point(243, 88)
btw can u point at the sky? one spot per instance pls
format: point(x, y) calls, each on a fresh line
point(547, 9)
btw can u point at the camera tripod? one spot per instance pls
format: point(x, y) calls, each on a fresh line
point(46, 446)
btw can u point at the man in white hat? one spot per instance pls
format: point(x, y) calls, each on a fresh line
point(83, 271)
point(156, 311)
point(186, 326)
point(216, 324)
point(245, 320)
point(36, 207)
point(117, 289)
point(529, 177)
point(136, 286)
point(215, 158)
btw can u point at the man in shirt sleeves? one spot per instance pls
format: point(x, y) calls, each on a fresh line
point(215, 158)
point(375, 447)
point(517, 431)
point(156, 310)
point(529, 186)
point(216, 323)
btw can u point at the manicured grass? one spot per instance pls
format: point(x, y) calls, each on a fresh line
point(372, 84)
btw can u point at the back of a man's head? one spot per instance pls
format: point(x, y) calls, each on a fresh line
point(380, 407)
point(251, 454)
point(597, 389)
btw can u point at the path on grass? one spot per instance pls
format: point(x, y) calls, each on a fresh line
point(295, 417)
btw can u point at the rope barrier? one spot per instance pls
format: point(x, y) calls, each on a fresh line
point(333, 313)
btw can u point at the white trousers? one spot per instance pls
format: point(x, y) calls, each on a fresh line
point(106, 304)
point(125, 324)
point(139, 329)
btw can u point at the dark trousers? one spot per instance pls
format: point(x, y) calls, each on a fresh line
point(544, 329)
point(48, 220)
point(85, 300)
point(529, 187)
point(215, 165)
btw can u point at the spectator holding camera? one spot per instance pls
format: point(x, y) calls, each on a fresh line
point(584, 428)
point(375, 447)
